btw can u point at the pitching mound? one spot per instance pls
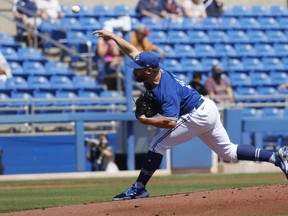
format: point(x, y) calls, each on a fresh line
point(260, 200)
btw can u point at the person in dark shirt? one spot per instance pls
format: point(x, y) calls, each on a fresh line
point(214, 8)
point(197, 85)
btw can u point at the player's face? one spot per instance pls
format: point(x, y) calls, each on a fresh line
point(140, 75)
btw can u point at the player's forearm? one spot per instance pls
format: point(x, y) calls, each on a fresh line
point(159, 122)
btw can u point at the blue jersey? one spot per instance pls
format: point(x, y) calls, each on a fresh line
point(175, 97)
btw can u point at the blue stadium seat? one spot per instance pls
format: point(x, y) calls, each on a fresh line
point(204, 50)
point(230, 23)
point(38, 83)
point(158, 37)
point(218, 36)
point(208, 63)
point(251, 112)
point(260, 78)
point(240, 79)
point(153, 24)
point(184, 51)
point(191, 64)
point(86, 11)
point(240, 11)
point(245, 50)
point(249, 94)
point(16, 68)
point(7, 40)
point(249, 23)
point(283, 22)
point(273, 63)
point(224, 50)
point(175, 37)
point(89, 23)
point(278, 11)
point(61, 83)
point(47, 99)
point(265, 50)
point(279, 77)
point(85, 83)
point(16, 84)
point(267, 90)
point(285, 61)
point(276, 36)
point(238, 36)
point(210, 23)
point(26, 97)
point(70, 24)
point(271, 112)
point(172, 65)
point(114, 96)
point(235, 64)
point(4, 100)
point(174, 24)
point(34, 68)
point(57, 68)
point(281, 49)
point(257, 36)
point(10, 54)
point(169, 50)
point(260, 11)
point(198, 36)
point(268, 23)
point(252, 63)
point(124, 10)
point(88, 96)
point(77, 41)
point(67, 98)
point(30, 54)
point(103, 11)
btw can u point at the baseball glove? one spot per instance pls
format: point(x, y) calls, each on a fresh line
point(147, 105)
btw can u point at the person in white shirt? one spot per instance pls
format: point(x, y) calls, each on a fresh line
point(50, 9)
point(194, 9)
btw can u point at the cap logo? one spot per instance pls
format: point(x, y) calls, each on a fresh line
point(137, 58)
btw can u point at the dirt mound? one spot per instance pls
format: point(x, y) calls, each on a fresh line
point(259, 200)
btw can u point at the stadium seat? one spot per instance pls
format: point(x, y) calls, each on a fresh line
point(153, 24)
point(268, 91)
point(198, 36)
point(34, 68)
point(175, 37)
point(184, 51)
point(208, 63)
point(234, 64)
point(112, 97)
point(10, 54)
point(278, 11)
point(86, 11)
point(260, 78)
point(245, 94)
point(23, 104)
point(268, 23)
point(260, 11)
point(30, 54)
point(224, 50)
point(61, 83)
point(204, 50)
point(16, 68)
point(4, 101)
point(134, 23)
point(238, 36)
point(282, 49)
point(57, 68)
point(158, 37)
point(103, 11)
point(87, 98)
point(172, 65)
point(210, 23)
point(124, 10)
point(276, 36)
point(16, 84)
point(78, 42)
point(67, 99)
point(174, 24)
point(84, 83)
point(249, 23)
point(240, 79)
point(279, 77)
point(191, 64)
point(47, 99)
point(38, 83)
point(230, 23)
point(257, 36)
point(252, 63)
point(7, 40)
point(89, 23)
point(264, 50)
point(218, 36)
point(273, 63)
point(271, 112)
point(251, 112)
point(169, 51)
point(241, 11)
point(245, 50)
point(283, 22)
point(70, 24)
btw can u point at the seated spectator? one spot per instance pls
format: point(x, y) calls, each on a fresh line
point(100, 154)
point(50, 9)
point(197, 85)
point(283, 86)
point(138, 38)
point(5, 70)
point(218, 86)
point(24, 12)
point(214, 8)
point(194, 9)
point(172, 7)
point(154, 9)
point(108, 59)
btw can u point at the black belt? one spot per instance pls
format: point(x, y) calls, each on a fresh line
point(199, 103)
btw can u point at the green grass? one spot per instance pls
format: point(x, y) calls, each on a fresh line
point(62, 193)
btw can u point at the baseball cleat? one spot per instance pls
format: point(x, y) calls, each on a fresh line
point(282, 160)
point(132, 193)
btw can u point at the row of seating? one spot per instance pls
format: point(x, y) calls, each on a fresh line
point(266, 111)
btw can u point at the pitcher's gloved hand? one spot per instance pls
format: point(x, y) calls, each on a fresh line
point(147, 105)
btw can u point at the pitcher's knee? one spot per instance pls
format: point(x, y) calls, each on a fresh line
point(230, 153)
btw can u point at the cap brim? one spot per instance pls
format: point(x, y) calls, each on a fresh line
point(132, 64)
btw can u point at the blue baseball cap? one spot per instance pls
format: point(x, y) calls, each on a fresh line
point(145, 59)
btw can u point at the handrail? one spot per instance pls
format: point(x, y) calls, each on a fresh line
point(36, 34)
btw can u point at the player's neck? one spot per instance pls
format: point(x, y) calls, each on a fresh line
point(155, 80)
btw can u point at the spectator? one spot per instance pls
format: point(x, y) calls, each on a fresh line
point(197, 85)
point(283, 86)
point(154, 9)
point(50, 9)
point(139, 39)
point(101, 154)
point(218, 86)
point(172, 7)
point(214, 8)
point(108, 59)
point(24, 12)
point(194, 9)
point(5, 70)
